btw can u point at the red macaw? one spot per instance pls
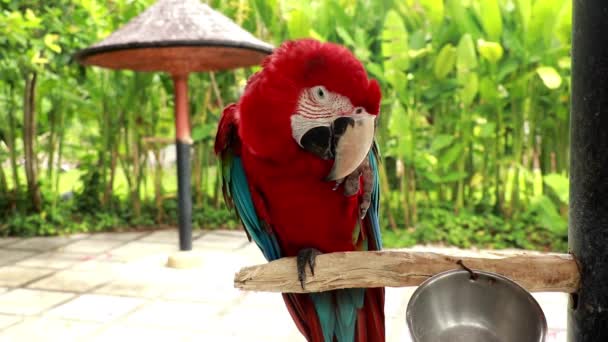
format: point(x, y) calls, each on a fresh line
point(299, 164)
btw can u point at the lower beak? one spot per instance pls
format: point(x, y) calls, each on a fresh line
point(352, 139)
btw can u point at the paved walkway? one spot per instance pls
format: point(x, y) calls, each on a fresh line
point(114, 287)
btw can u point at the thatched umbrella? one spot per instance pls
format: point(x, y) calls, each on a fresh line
point(178, 37)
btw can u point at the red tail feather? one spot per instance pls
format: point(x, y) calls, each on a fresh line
point(370, 318)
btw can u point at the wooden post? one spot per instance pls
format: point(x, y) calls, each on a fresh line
point(183, 144)
point(588, 214)
point(533, 271)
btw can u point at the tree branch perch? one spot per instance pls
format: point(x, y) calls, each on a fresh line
point(533, 271)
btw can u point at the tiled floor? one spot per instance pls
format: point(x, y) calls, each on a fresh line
point(115, 287)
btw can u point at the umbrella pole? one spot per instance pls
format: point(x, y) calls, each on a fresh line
point(183, 143)
point(588, 228)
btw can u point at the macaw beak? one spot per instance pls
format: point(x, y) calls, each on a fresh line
point(347, 139)
point(352, 139)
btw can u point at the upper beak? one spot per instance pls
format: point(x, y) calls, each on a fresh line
point(346, 139)
point(352, 139)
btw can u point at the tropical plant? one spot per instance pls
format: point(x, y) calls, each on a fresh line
point(474, 119)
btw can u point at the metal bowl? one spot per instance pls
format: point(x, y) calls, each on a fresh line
point(452, 307)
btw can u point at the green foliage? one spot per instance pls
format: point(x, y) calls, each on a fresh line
point(491, 51)
point(490, 17)
point(482, 230)
point(395, 50)
point(67, 218)
point(551, 207)
point(473, 125)
point(446, 59)
point(466, 63)
point(88, 199)
point(550, 77)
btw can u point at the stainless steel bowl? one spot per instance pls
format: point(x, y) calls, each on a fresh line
point(451, 307)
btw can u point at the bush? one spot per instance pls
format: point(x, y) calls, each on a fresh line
point(484, 230)
point(68, 217)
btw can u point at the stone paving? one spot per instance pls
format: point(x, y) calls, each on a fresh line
point(115, 287)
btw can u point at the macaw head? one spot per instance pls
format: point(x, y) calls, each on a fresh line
point(311, 97)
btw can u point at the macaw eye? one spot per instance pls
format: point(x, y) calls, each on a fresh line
point(320, 93)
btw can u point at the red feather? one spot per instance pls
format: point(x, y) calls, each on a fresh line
point(227, 131)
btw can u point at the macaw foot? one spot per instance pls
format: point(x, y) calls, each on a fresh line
point(368, 186)
point(352, 184)
point(306, 256)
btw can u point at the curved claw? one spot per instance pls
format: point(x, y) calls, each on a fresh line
point(306, 256)
point(338, 183)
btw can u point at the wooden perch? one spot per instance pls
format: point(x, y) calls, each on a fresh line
point(534, 271)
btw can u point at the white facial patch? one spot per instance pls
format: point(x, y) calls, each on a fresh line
point(317, 107)
point(300, 125)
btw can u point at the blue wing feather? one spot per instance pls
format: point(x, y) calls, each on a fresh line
point(374, 208)
point(239, 190)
